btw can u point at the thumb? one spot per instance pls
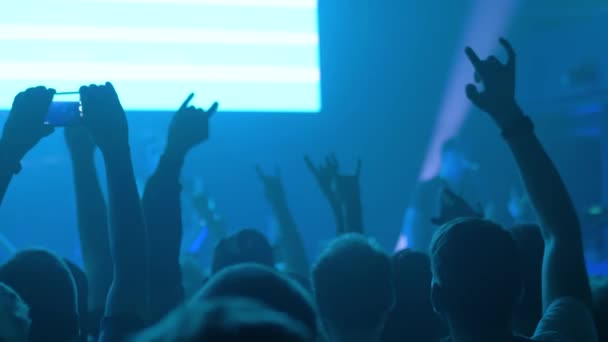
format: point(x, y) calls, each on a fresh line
point(473, 94)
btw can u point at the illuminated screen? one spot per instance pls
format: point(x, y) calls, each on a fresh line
point(250, 55)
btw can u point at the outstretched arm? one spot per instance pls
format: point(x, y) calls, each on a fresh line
point(23, 129)
point(326, 174)
point(92, 216)
point(290, 240)
point(564, 273)
point(162, 208)
point(349, 195)
point(105, 119)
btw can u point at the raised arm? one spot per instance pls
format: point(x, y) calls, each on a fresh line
point(290, 240)
point(91, 212)
point(564, 273)
point(162, 207)
point(105, 120)
point(23, 129)
point(326, 175)
point(349, 195)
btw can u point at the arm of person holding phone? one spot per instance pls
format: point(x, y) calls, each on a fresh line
point(127, 300)
point(23, 129)
point(91, 213)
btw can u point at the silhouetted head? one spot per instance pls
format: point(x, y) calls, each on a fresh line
point(265, 285)
point(226, 320)
point(476, 275)
point(47, 287)
point(531, 248)
point(14, 316)
point(246, 246)
point(82, 290)
point(353, 286)
point(412, 319)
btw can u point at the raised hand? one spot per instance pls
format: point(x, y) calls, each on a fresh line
point(498, 95)
point(273, 186)
point(189, 127)
point(25, 127)
point(452, 206)
point(79, 141)
point(104, 117)
point(347, 186)
point(325, 175)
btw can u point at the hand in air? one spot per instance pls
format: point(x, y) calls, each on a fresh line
point(189, 127)
point(79, 141)
point(347, 186)
point(273, 186)
point(104, 117)
point(498, 95)
point(25, 126)
point(452, 206)
point(325, 174)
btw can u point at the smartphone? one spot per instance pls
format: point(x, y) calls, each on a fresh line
point(65, 110)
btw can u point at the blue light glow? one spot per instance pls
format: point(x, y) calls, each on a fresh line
point(250, 55)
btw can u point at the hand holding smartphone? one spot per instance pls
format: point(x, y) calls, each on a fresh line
point(65, 110)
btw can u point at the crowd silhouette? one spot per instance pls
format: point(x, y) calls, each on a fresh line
point(464, 278)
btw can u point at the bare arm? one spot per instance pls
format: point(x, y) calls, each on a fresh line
point(162, 208)
point(290, 240)
point(106, 121)
point(23, 129)
point(326, 174)
point(564, 273)
point(91, 212)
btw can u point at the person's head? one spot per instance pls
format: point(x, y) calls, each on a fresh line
point(14, 316)
point(353, 287)
point(82, 289)
point(453, 161)
point(412, 318)
point(476, 276)
point(226, 320)
point(46, 285)
point(531, 247)
point(246, 246)
point(266, 285)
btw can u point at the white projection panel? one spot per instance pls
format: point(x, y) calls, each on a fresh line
point(250, 55)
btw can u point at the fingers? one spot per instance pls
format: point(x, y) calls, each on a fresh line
point(311, 165)
point(473, 94)
point(477, 63)
point(510, 52)
point(186, 103)
point(260, 173)
point(213, 109)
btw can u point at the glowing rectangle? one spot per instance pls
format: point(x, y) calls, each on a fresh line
point(236, 47)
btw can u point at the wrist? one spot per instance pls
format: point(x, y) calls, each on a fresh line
point(9, 157)
point(508, 115)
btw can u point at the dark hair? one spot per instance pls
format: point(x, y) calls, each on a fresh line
point(266, 285)
point(476, 268)
point(353, 285)
point(226, 320)
point(531, 247)
point(246, 246)
point(412, 318)
point(46, 285)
